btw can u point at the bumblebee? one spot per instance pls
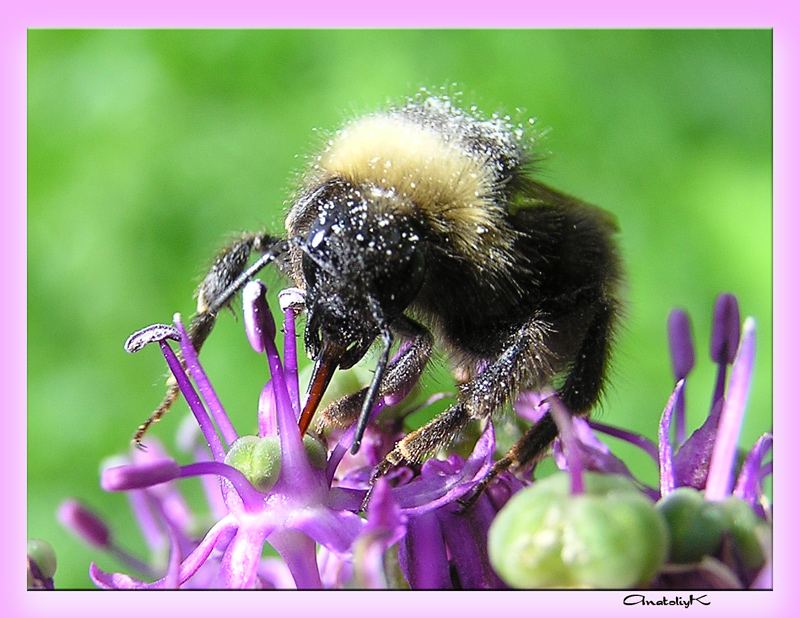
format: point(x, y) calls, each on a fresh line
point(422, 223)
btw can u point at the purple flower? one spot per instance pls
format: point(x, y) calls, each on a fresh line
point(719, 538)
point(370, 569)
point(154, 509)
point(441, 543)
point(706, 459)
point(445, 546)
point(273, 491)
point(278, 489)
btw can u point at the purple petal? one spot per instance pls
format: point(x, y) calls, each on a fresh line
point(386, 525)
point(150, 526)
point(434, 489)
point(336, 530)
point(533, 405)
point(465, 535)
point(666, 473)
point(691, 462)
point(423, 555)
point(749, 481)
point(722, 458)
point(274, 573)
point(368, 564)
point(188, 568)
point(594, 455)
point(198, 557)
point(481, 457)
point(239, 567)
point(172, 578)
point(298, 552)
point(346, 498)
point(501, 490)
point(343, 446)
point(335, 571)
point(566, 433)
point(384, 514)
point(118, 581)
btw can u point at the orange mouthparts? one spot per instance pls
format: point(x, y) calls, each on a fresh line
point(323, 372)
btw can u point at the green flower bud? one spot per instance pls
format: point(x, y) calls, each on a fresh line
point(259, 459)
point(695, 525)
point(317, 452)
point(45, 558)
point(611, 536)
point(746, 528)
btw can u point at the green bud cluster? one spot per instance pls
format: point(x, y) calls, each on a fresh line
point(610, 536)
point(697, 527)
point(259, 459)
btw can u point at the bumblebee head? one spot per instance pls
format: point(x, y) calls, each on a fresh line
point(362, 267)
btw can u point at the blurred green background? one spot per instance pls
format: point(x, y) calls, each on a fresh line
point(147, 148)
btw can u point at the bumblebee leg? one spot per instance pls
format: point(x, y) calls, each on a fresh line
point(226, 276)
point(404, 370)
point(584, 383)
point(419, 443)
point(530, 447)
point(525, 361)
point(580, 392)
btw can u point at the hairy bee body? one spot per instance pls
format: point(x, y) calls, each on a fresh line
point(422, 223)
